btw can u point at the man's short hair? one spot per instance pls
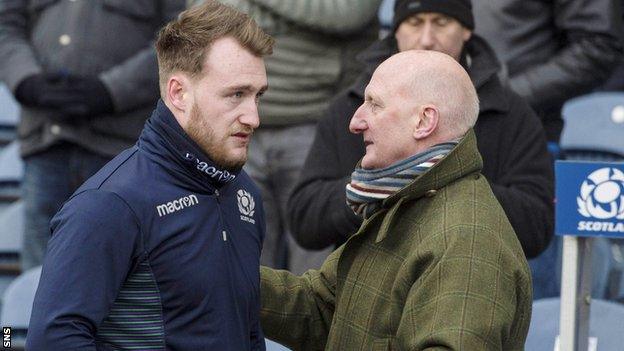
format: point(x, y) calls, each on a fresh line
point(182, 44)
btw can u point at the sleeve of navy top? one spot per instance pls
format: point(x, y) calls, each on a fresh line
point(94, 240)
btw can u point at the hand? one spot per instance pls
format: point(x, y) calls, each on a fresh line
point(32, 89)
point(79, 97)
point(73, 96)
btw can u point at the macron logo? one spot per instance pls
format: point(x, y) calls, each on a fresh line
point(213, 172)
point(177, 205)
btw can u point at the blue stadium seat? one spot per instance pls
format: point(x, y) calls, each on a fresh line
point(17, 301)
point(606, 324)
point(11, 228)
point(11, 172)
point(593, 131)
point(11, 167)
point(273, 346)
point(9, 109)
point(594, 126)
point(9, 115)
point(11, 232)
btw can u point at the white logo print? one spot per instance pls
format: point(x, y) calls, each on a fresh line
point(177, 205)
point(246, 205)
point(220, 175)
point(602, 195)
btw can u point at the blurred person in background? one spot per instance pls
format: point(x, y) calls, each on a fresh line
point(436, 263)
point(160, 249)
point(86, 77)
point(509, 136)
point(313, 60)
point(553, 50)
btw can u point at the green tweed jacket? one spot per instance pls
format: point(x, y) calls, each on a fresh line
point(437, 268)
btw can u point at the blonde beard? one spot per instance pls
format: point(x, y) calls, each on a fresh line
point(204, 136)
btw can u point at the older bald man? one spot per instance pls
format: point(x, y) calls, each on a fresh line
point(436, 263)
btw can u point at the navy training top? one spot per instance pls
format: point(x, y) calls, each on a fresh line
point(157, 251)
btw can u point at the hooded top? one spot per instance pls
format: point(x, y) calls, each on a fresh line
point(158, 250)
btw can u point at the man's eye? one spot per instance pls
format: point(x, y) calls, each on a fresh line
point(373, 106)
point(238, 94)
point(442, 21)
point(258, 96)
point(413, 21)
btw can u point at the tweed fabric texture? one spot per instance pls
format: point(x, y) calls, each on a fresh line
point(438, 267)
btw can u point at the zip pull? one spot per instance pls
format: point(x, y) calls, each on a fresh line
point(224, 236)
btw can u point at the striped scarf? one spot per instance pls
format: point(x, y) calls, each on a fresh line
point(368, 188)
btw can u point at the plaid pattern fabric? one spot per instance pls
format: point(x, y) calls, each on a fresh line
point(438, 267)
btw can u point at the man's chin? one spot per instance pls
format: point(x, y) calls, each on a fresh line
point(367, 163)
point(232, 163)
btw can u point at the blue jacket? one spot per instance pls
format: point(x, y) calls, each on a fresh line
point(159, 250)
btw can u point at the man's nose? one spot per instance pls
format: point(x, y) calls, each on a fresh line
point(250, 116)
point(427, 37)
point(358, 123)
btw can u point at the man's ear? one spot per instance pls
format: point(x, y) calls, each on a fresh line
point(466, 35)
point(428, 118)
point(178, 92)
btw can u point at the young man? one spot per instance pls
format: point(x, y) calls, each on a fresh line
point(160, 249)
point(324, 37)
point(435, 264)
point(509, 135)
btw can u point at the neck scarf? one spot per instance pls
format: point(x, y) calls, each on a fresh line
point(368, 188)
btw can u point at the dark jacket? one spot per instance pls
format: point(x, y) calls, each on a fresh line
point(553, 49)
point(453, 277)
point(110, 39)
point(159, 250)
point(509, 136)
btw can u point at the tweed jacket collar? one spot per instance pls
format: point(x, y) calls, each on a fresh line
point(462, 161)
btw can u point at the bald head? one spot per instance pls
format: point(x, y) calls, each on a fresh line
point(427, 77)
point(415, 99)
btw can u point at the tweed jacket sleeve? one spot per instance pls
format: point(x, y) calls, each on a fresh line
point(16, 54)
point(134, 82)
point(297, 311)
